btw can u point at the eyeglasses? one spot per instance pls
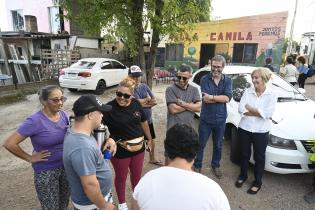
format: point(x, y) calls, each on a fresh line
point(183, 78)
point(56, 100)
point(125, 95)
point(216, 67)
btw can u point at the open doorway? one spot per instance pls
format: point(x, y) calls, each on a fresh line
point(206, 52)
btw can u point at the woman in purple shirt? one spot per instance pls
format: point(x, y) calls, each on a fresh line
point(46, 129)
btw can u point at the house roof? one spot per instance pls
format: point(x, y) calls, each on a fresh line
point(32, 35)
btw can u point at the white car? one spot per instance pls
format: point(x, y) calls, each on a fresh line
point(92, 74)
point(292, 133)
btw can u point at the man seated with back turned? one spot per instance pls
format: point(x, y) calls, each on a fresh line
point(89, 175)
point(176, 186)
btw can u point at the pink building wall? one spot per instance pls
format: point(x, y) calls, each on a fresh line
point(37, 8)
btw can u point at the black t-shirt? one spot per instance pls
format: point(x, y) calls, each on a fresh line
point(124, 123)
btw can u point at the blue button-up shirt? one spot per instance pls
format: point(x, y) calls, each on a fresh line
point(215, 113)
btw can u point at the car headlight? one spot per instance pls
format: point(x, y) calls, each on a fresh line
point(281, 143)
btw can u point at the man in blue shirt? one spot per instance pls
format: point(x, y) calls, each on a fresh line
point(216, 89)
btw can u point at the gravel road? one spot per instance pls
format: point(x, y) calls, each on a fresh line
point(17, 188)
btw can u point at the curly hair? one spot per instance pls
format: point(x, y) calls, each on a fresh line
point(301, 59)
point(181, 141)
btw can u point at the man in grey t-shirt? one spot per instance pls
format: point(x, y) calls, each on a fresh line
point(182, 99)
point(89, 175)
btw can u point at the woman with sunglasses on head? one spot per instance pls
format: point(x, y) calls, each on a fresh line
point(127, 123)
point(46, 128)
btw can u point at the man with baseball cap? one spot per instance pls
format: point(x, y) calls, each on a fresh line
point(144, 95)
point(89, 175)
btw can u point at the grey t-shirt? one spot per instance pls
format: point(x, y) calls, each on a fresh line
point(190, 94)
point(82, 157)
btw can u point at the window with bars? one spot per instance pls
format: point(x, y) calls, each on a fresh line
point(174, 52)
point(244, 53)
point(18, 20)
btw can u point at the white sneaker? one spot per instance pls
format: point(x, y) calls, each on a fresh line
point(122, 206)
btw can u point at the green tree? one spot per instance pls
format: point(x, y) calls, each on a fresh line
point(127, 20)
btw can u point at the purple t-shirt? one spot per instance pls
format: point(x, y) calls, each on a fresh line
point(46, 135)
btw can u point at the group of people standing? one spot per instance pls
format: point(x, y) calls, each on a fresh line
point(295, 71)
point(68, 161)
point(256, 107)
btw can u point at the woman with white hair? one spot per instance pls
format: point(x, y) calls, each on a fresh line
point(257, 105)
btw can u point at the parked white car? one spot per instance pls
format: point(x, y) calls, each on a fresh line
point(292, 133)
point(92, 74)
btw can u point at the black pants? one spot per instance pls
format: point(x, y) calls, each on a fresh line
point(301, 80)
point(259, 142)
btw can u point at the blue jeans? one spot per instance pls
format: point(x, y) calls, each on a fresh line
point(259, 142)
point(205, 130)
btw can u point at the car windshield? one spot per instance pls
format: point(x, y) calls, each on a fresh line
point(283, 90)
point(83, 65)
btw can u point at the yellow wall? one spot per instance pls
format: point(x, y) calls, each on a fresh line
point(266, 30)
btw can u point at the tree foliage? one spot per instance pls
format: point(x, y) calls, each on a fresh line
point(127, 20)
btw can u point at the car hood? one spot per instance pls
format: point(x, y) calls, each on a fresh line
point(294, 120)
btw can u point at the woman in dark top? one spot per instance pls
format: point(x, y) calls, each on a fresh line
point(126, 121)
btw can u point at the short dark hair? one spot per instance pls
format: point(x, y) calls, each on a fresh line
point(268, 60)
point(289, 60)
point(185, 68)
point(181, 141)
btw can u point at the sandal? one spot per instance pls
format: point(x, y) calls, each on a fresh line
point(157, 162)
point(239, 183)
point(253, 192)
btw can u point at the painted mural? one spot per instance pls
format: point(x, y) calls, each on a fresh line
point(245, 40)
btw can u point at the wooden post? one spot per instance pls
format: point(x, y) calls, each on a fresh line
point(29, 66)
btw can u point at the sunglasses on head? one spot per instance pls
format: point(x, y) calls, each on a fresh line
point(56, 100)
point(125, 95)
point(183, 78)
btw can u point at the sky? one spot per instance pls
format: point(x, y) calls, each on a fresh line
point(305, 15)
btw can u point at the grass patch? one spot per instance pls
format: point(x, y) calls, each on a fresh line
point(15, 96)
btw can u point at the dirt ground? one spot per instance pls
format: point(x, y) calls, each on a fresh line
point(16, 176)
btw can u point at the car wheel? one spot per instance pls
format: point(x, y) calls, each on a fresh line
point(235, 155)
point(72, 89)
point(100, 87)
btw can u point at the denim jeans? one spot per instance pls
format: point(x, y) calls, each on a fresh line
point(259, 141)
point(205, 130)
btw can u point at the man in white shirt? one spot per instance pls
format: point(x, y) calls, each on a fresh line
point(176, 186)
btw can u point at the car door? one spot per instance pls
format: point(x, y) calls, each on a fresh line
point(107, 73)
point(120, 70)
point(239, 84)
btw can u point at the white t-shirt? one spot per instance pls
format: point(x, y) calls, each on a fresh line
point(290, 72)
point(173, 188)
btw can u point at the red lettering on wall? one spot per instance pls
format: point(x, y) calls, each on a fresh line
point(249, 36)
point(239, 37)
point(234, 35)
point(213, 36)
point(228, 36)
point(220, 36)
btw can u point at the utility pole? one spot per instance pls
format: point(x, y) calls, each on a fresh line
point(289, 48)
